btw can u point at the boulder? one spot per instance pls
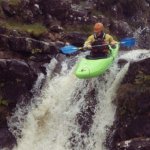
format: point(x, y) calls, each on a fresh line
point(8, 9)
point(133, 108)
point(27, 45)
point(16, 78)
point(75, 38)
point(120, 28)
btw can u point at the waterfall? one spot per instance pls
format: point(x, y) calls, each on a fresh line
point(51, 122)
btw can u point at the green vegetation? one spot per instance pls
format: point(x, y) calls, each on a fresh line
point(3, 102)
point(36, 50)
point(142, 79)
point(35, 29)
point(85, 28)
point(18, 80)
point(13, 2)
point(96, 12)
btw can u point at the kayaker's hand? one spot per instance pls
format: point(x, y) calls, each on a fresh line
point(67, 43)
point(113, 44)
point(87, 47)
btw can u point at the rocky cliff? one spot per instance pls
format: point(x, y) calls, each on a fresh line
point(132, 125)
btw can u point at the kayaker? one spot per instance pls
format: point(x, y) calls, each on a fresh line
point(99, 37)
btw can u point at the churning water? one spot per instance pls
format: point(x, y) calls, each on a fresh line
point(52, 121)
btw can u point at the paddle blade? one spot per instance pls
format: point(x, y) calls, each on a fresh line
point(128, 42)
point(69, 49)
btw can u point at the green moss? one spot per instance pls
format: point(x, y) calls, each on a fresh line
point(18, 80)
point(3, 102)
point(35, 29)
point(85, 28)
point(36, 50)
point(96, 12)
point(142, 79)
point(13, 2)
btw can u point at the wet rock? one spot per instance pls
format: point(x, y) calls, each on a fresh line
point(16, 79)
point(28, 16)
point(48, 20)
point(121, 28)
point(135, 144)
point(133, 107)
point(9, 55)
point(84, 118)
point(57, 8)
point(8, 9)
point(133, 7)
point(4, 42)
point(78, 16)
point(60, 58)
point(75, 38)
point(122, 62)
point(144, 38)
point(29, 45)
point(7, 140)
point(56, 28)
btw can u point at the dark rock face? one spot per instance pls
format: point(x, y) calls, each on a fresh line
point(57, 8)
point(135, 144)
point(17, 78)
point(133, 108)
point(84, 119)
point(121, 29)
point(6, 139)
point(16, 82)
point(8, 9)
point(75, 38)
point(29, 45)
point(144, 39)
point(21, 60)
point(126, 8)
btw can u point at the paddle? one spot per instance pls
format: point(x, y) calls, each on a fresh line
point(70, 49)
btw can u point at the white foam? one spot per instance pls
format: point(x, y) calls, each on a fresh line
point(50, 124)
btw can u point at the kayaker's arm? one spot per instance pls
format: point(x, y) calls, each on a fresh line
point(88, 42)
point(110, 40)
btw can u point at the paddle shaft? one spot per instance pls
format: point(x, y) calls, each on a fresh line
point(69, 49)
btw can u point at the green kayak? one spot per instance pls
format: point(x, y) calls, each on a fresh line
point(91, 67)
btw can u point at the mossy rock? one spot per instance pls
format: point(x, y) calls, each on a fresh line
point(36, 50)
point(142, 79)
point(132, 100)
point(3, 102)
point(36, 29)
point(12, 2)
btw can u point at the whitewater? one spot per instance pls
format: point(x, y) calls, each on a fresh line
point(52, 123)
